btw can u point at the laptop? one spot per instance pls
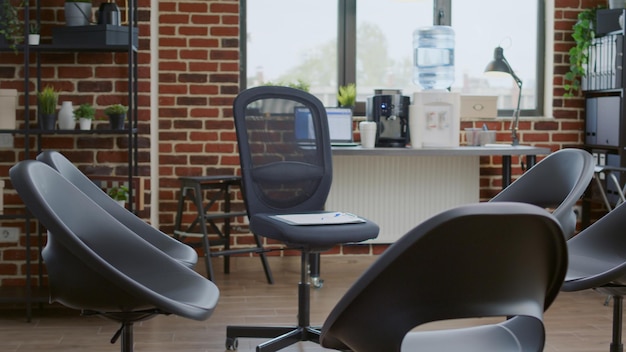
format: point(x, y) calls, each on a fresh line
point(339, 126)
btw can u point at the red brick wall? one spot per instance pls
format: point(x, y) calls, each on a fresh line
point(198, 77)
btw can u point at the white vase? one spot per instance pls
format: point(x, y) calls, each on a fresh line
point(66, 116)
point(85, 124)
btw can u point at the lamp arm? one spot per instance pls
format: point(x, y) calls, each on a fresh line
point(516, 113)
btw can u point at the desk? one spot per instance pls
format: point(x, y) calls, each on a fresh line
point(398, 188)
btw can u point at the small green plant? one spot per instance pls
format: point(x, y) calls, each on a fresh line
point(33, 28)
point(119, 193)
point(47, 100)
point(583, 33)
point(85, 111)
point(347, 95)
point(115, 109)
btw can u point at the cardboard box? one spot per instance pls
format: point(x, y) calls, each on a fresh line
point(8, 105)
point(479, 107)
point(92, 37)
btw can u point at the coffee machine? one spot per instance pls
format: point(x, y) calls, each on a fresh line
point(390, 110)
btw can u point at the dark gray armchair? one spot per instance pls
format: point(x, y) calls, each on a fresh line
point(556, 182)
point(98, 265)
point(175, 249)
point(597, 260)
point(482, 260)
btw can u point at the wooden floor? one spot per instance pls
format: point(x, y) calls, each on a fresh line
point(577, 322)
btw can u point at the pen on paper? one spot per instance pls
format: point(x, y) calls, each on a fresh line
point(334, 216)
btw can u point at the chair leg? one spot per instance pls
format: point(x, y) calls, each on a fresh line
point(616, 343)
point(127, 337)
point(282, 337)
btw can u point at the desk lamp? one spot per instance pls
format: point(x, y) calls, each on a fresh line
point(499, 64)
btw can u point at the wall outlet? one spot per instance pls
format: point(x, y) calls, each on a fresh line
point(578, 210)
point(6, 140)
point(9, 234)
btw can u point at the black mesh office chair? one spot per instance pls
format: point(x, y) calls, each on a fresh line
point(481, 260)
point(286, 168)
point(557, 182)
point(99, 266)
point(175, 249)
point(597, 260)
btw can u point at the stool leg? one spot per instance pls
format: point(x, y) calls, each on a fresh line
point(179, 211)
point(206, 246)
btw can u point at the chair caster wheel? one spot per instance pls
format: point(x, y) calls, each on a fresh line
point(317, 282)
point(231, 344)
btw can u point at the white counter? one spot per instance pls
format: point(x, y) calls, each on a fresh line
point(398, 188)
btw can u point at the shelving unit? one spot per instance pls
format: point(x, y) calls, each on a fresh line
point(30, 294)
point(605, 107)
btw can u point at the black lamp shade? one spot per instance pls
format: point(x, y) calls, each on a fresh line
point(498, 64)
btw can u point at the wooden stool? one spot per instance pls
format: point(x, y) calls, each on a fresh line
point(191, 188)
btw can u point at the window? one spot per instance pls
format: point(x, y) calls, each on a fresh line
point(327, 43)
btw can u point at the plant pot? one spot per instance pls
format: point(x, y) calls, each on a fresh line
point(33, 39)
point(47, 121)
point(77, 13)
point(85, 124)
point(116, 121)
point(122, 203)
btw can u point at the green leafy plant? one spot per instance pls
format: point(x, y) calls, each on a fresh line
point(298, 84)
point(10, 25)
point(583, 33)
point(34, 28)
point(85, 111)
point(47, 100)
point(347, 95)
point(119, 193)
point(115, 109)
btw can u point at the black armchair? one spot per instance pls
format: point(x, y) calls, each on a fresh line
point(98, 265)
point(557, 182)
point(482, 260)
point(175, 249)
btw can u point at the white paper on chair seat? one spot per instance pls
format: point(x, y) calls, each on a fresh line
point(328, 218)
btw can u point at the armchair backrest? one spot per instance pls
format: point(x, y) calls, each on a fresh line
point(480, 260)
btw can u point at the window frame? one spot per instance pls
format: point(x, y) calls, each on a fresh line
point(442, 15)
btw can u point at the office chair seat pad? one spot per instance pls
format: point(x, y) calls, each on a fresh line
point(314, 236)
point(496, 337)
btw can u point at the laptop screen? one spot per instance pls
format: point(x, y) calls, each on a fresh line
point(339, 125)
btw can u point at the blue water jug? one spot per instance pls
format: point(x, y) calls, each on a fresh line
point(433, 59)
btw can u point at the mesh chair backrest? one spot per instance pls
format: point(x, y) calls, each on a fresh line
point(479, 260)
point(284, 150)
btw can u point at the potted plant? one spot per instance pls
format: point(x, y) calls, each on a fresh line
point(119, 194)
point(85, 113)
point(347, 96)
point(47, 104)
point(117, 115)
point(77, 12)
point(33, 34)
point(11, 30)
point(583, 33)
